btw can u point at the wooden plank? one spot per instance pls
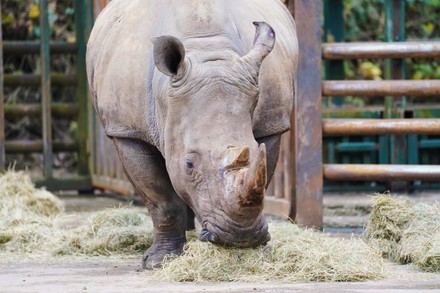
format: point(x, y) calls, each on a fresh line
point(2, 103)
point(381, 126)
point(120, 186)
point(306, 197)
point(372, 172)
point(80, 183)
point(279, 207)
point(378, 88)
point(46, 94)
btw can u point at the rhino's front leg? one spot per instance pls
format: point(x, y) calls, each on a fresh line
point(145, 168)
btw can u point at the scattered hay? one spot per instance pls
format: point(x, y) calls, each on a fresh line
point(30, 224)
point(293, 255)
point(17, 192)
point(406, 232)
point(112, 231)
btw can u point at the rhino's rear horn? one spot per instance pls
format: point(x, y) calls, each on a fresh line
point(235, 157)
point(169, 54)
point(264, 42)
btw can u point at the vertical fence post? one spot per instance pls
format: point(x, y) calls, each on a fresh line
point(46, 95)
point(307, 128)
point(2, 105)
point(83, 23)
point(395, 69)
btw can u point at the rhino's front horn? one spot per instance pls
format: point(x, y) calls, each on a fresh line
point(254, 185)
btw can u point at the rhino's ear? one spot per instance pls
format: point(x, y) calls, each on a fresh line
point(169, 54)
point(264, 42)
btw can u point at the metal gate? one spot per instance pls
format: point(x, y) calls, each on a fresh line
point(46, 108)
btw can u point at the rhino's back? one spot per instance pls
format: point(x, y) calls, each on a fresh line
point(121, 69)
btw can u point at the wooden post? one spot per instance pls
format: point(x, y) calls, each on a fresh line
point(83, 21)
point(306, 199)
point(46, 94)
point(2, 108)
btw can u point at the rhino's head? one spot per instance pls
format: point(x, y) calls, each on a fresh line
point(214, 162)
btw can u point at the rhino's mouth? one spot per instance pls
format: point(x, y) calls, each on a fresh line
point(242, 237)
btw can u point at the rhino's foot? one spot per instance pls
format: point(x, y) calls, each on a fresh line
point(155, 255)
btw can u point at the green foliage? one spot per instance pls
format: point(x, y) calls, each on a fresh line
point(364, 21)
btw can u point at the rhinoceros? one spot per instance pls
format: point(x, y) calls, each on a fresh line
point(195, 106)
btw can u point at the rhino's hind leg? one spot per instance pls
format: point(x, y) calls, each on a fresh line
point(145, 168)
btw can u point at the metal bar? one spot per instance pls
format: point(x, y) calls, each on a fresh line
point(46, 95)
point(381, 50)
point(306, 199)
point(33, 47)
point(398, 143)
point(429, 144)
point(2, 105)
point(37, 146)
point(334, 32)
point(60, 110)
point(58, 79)
point(83, 23)
point(380, 126)
point(356, 146)
point(374, 88)
point(363, 172)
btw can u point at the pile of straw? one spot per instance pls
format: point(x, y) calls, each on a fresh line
point(293, 255)
point(31, 225)
point(111, 231)
point(406, 232)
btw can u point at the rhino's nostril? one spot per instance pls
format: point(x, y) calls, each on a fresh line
point(213, 238)
point(205, 235)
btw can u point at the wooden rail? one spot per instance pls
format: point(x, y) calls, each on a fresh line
point(365, 172)
point(33, 47)
point(380, 50)
point(14, 80)
point(36, 146)
point(58, 109)
point(380, 126)
point(374, 88)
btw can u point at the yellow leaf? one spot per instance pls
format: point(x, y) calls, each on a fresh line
point(429, 27)
point(34, 12)
point(417, 75)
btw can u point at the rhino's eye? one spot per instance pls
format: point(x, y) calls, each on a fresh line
point(189, 165)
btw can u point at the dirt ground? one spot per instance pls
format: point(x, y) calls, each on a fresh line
point(342, 217)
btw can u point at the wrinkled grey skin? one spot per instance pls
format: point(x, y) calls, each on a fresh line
point(195, 98)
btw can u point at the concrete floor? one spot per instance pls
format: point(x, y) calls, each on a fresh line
point(125, 274)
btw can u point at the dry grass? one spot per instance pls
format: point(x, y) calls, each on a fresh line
point(406, 232)
point(293, 255)
point(32, 226)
